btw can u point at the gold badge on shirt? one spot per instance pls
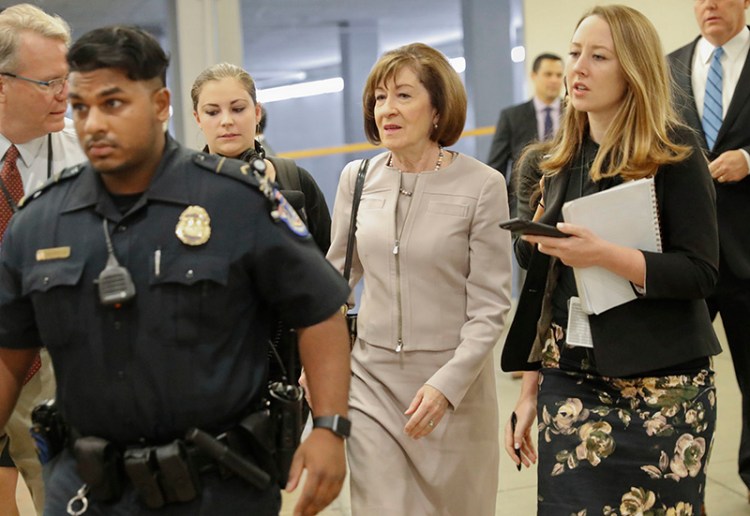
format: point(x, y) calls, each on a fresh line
point(194, 226)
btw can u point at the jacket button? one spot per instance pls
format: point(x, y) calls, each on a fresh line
point(189, 274)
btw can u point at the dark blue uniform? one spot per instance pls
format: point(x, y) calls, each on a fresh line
point(191, 348)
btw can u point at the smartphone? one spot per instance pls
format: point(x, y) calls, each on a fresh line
point(527, 227)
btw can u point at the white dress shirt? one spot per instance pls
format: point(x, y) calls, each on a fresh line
point(735, 54)
point(32, 163)
point(732, 62)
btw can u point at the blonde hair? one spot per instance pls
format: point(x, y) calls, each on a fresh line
point(637, 141)
point(433, 70)
point(218, 72)
point(26, 17)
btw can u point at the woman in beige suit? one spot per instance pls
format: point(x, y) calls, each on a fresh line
point(436, 271)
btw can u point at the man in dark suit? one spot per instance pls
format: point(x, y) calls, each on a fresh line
point(712, 82)
point(537, 119)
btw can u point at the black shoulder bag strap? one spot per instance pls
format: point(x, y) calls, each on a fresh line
point(287, 174)
point(358, 187)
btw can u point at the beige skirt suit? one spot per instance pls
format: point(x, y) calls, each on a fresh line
point(444, 296)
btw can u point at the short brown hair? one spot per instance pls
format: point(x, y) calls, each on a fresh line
point(446, 90)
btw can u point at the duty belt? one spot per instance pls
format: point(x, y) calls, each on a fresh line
point(163, 474)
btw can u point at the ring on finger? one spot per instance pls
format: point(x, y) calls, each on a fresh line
point(431, 423)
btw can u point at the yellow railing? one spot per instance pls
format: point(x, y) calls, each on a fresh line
point(357, 147)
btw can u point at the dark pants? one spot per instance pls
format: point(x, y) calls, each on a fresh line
point(219, 497)
point(732, 301)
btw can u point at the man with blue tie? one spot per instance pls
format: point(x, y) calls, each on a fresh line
point(536, 119)
point(712, 88)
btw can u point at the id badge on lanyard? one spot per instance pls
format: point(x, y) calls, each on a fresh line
point(578, 332)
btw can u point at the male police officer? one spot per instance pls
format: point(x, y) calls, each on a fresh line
point(148, 273)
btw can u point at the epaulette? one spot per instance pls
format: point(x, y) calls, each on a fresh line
point(63, 175)
point(254, 175)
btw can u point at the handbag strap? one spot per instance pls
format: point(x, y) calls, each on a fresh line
point(358, 187)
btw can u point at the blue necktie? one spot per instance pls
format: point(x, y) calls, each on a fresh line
point(548, 127)
point(712, 106)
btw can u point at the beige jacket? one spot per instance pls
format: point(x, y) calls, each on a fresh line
point(454, 272)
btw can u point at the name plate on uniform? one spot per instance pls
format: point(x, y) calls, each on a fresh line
point(53, 253)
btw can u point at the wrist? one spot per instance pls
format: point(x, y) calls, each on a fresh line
point(336, 424)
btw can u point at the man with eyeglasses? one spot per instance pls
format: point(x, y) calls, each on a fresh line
point(36, 142)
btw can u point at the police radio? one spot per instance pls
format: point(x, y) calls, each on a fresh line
point(115, 284)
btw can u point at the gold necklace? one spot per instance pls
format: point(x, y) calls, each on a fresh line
point(438, 164)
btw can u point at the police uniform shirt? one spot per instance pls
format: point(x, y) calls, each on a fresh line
point(190, 348)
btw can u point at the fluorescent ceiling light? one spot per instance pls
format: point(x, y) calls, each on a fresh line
point(312, 88)
point(517, 54)
point(302, 89)
point(458, 64)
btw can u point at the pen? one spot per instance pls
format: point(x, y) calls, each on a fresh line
point(157, 262)
point(513, 421)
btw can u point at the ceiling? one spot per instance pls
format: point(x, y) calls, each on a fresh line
point(283, 36)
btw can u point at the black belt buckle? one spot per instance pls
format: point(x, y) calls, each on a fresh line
point(141, 468)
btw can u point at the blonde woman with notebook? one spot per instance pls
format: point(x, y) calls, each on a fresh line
point(625, 404)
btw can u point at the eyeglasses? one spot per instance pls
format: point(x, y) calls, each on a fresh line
point(55, 86)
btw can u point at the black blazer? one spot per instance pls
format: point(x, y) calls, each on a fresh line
point(516, 128)
point(732, 199)
point(670, 324)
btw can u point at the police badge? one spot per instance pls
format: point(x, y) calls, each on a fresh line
point(194, 226)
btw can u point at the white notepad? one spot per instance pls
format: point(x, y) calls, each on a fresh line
point(626, 215)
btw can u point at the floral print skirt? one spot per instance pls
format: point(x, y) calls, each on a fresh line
point(616, 446)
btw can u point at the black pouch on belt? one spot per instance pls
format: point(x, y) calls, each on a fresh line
point(99, 465)
point(141, 468)
point(179, 475)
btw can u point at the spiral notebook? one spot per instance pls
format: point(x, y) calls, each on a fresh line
point(627, 215)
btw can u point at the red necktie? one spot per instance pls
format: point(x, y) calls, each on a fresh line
point(12, 182)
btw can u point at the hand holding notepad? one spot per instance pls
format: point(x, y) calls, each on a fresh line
point(625, 215)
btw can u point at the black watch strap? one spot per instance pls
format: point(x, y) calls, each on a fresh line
point(339, 425)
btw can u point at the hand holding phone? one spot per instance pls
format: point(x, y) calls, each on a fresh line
point(528, 227)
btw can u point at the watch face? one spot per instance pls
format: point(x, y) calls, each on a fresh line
point(337, 424)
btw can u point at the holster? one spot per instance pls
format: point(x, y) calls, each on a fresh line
point(49, 431)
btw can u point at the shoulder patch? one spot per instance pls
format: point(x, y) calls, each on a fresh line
point(286, 214)
point(253, 174)
point(64, 175)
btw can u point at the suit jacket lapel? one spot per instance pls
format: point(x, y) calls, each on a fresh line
point(532, 133)
point(686, 97)
point(740, 97)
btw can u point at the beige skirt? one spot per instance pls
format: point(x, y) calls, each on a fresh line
point(452, 471)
